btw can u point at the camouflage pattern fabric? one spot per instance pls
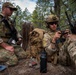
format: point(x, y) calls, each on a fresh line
point(36, 46)
point(67, 53)
point(4, 31)
point(10, 59)
point(50, 47)
point(19, 52)
point(7, 57)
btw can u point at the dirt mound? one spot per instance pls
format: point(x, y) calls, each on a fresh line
point(23, 69)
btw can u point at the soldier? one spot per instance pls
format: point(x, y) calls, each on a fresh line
point(50, 38)
point(9, 53)
point(67, 53)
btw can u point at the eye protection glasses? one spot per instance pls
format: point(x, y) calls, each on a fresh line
point(52, 23)
point(11, 8)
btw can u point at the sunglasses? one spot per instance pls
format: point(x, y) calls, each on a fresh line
point(11, 8)
point(51, 23)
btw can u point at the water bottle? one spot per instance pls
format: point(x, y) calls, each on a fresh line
point(43, 61)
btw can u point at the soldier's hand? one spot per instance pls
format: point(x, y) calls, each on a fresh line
point(56, 36)
point(7, 46)
point(10, 48)
point(19, 41)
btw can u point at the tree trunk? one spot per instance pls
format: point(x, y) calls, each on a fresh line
point(57, 7)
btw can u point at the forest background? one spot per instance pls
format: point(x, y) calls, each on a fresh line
point(42, 10)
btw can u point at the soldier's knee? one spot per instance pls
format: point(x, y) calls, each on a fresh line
point(12, 61)
point(22, 55)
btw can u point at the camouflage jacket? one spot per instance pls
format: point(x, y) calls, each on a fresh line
point(4, 30)
point(68, 51)
point(47, 43)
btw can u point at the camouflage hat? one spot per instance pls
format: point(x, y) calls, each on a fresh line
point(8, 4)
point(52, 18)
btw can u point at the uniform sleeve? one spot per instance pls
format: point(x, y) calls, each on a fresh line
point(69, 50)
point(72, 50)
point(48, 45)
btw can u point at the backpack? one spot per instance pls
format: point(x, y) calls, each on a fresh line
point(36, 37)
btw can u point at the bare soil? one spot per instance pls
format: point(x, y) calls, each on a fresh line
point(23, 69)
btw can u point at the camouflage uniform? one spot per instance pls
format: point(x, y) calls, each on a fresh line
point(67, 53)
point(51, 48)
point(7, 56)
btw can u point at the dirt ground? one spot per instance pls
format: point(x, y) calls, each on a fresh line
point(23, 69)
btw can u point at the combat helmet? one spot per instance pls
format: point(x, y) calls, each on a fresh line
point(52, 18)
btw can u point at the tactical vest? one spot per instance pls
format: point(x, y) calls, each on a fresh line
point(7, 29)
point(4, 32)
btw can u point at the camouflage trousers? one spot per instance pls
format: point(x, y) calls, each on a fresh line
point(10, 58)
point(19, 52)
